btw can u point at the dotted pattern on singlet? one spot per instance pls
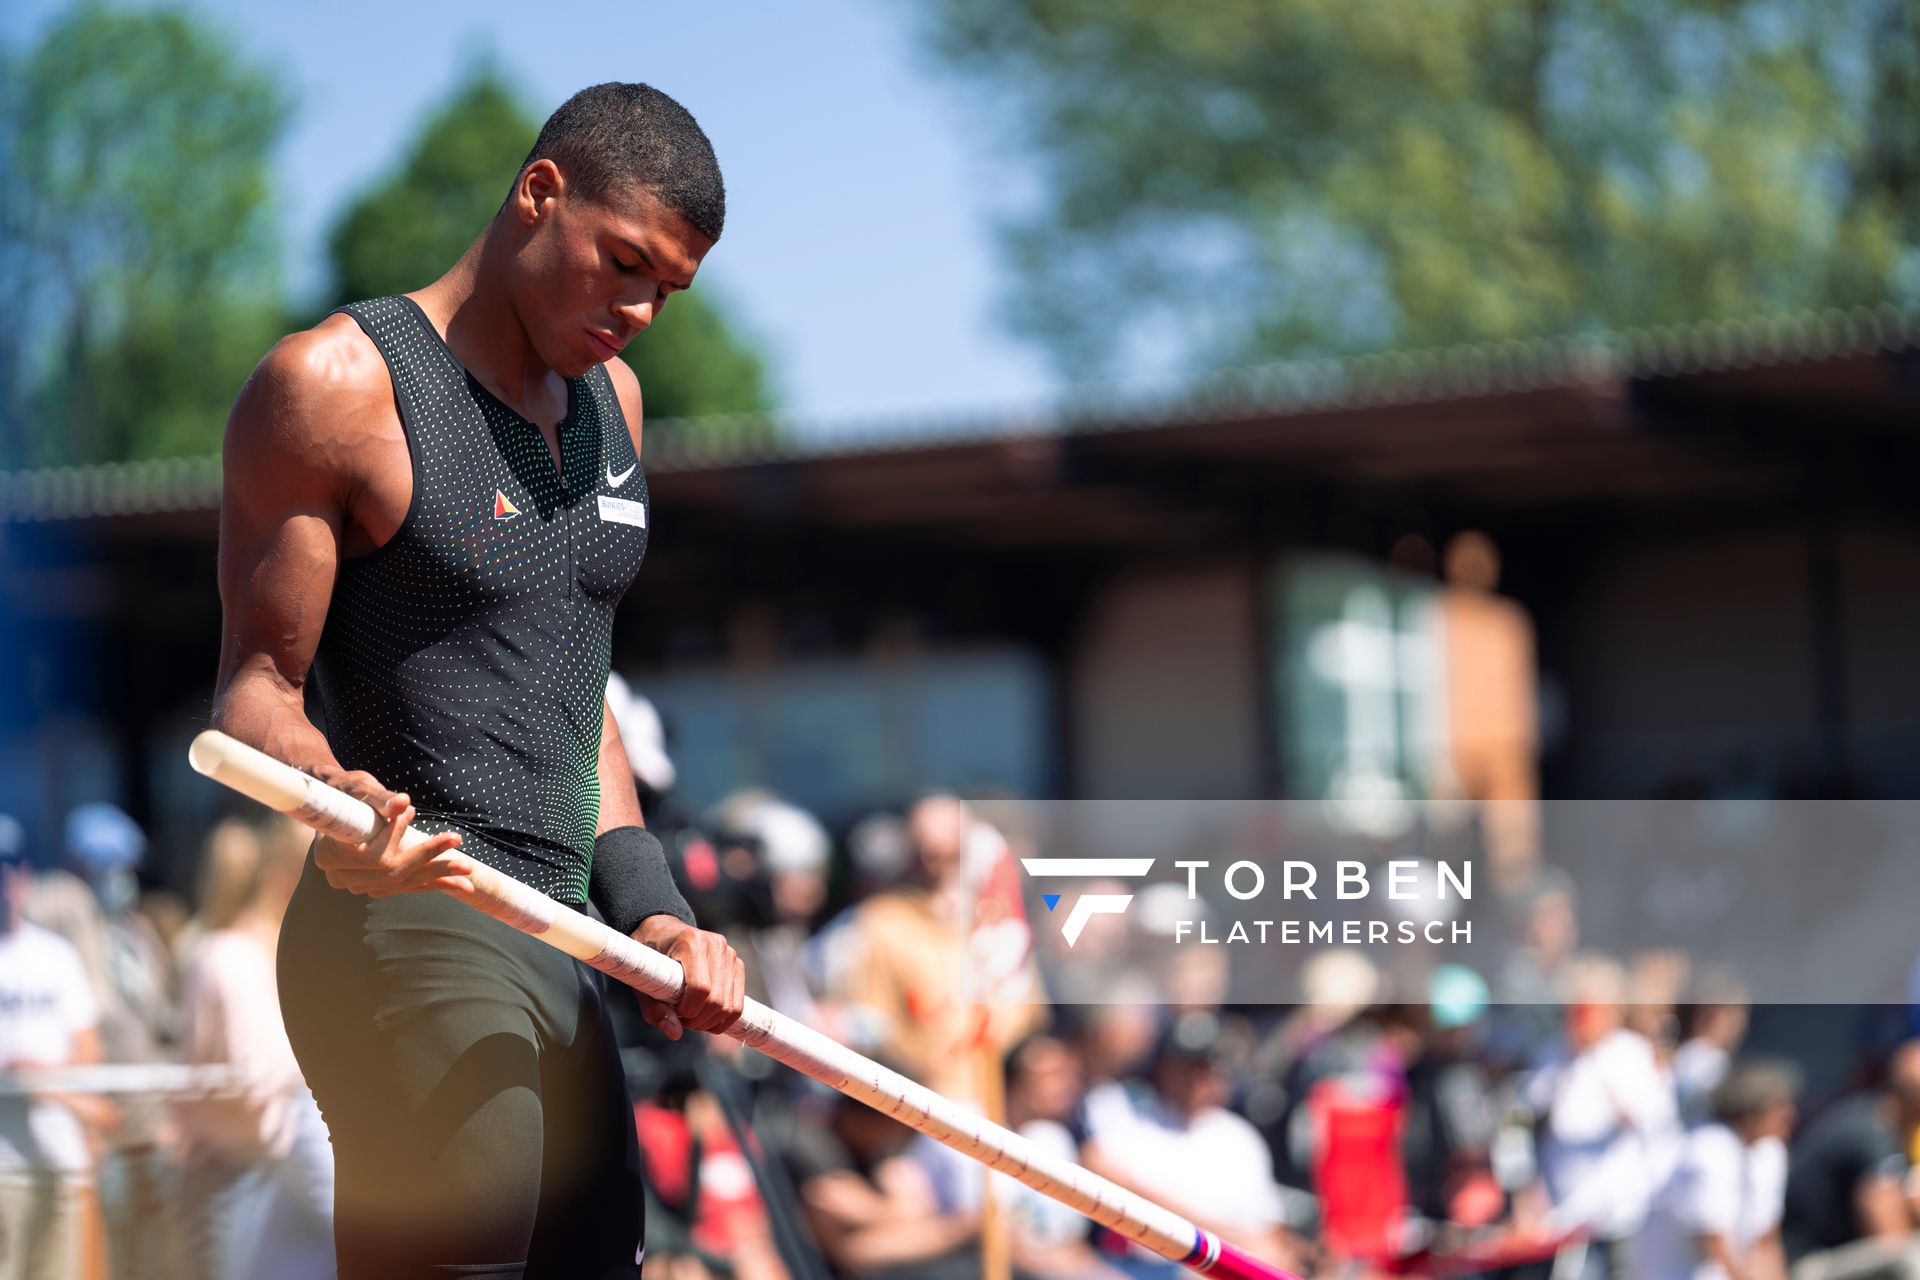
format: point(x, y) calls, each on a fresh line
point(465, 660)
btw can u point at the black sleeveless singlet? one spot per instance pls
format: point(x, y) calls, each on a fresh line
point(465, 660)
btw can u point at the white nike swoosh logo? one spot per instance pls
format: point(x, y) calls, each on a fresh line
point(617, 480)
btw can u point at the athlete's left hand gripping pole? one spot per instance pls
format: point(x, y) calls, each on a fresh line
point(335, 813)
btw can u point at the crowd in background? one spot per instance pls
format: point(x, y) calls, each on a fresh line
point(1560, 1113)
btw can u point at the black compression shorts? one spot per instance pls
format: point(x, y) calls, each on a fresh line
point(469, 1077)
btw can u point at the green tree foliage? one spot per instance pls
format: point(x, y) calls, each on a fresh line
point(1239, 179)
point(414, 224)
point(692, 361)
point(140, 247)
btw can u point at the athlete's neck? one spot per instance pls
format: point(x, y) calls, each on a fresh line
point(471, 308)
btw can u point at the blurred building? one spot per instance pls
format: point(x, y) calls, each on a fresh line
point(1709, 534)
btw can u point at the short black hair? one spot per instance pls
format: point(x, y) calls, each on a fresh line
point(613, 135)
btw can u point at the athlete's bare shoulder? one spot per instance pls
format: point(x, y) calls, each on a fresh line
point(627, 387)
point(334, 356)
point(312, 395)
point(316, 425)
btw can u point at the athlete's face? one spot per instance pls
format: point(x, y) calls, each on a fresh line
point(597, 271)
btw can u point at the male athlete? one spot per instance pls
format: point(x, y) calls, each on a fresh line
point(433, 503)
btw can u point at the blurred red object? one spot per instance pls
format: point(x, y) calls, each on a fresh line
point(725, 1205)
point(1358, 1171)
point(1477, 1201)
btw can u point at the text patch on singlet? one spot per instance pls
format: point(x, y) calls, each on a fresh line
point(623, 511)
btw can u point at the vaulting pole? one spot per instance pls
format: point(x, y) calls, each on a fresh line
point(335, 813)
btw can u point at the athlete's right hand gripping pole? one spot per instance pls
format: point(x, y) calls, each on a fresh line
point(335, 813)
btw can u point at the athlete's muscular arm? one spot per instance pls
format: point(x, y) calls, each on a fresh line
point(716, 987)
point(289, 482)
point(619, 798)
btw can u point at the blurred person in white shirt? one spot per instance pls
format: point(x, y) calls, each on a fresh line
point(1045, 1085)
point(91, 900)
point(48, 1019)
point(1609, 1121)
point(1180, 1146)
point(256, 1186)
point(1717, 1217)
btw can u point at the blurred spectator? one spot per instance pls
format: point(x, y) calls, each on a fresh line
point(643, 736)
point(1177, 1144)
point(91, 904)
point(1341, 987)
point(1531, 981)
point(792, 850)
point(227, 878)
point(1352, 1133)
point(705, 1216)
point(915, 972)
point(171, 917)
point(879, 856)
point(1657, 980)
point(1451, 1108)
point(256, 1187)
point(1356, 1133)
point(796, 851)
point(1492, 735)
point(874, 1213)
point(1851, 1208)
point(1716, 1026)
point(48, 1018)
point(1115, 1041)
point(1610, 1125)
point(1717, 1217)
point(1318, 1040)
point(1045, 1085)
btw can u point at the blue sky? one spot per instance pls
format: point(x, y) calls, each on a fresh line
point(858, 246)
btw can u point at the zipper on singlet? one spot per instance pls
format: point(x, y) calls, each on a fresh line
point(575, 502)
